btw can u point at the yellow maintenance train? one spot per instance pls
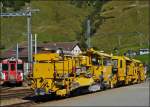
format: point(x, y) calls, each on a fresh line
point(92, 70)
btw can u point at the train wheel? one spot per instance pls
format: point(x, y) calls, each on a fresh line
point(127, 82)
point(112, 85)
point(19, 84)
point(76, 92)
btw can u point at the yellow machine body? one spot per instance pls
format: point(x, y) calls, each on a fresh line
point(142, 72)
point(119, 67)
point(129, 71)
point(100, 65)
point(54, 74)
point(139, 74)
point(59, 74)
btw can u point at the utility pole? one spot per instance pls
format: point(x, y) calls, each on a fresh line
point(119, 42)
point(29, 35)
point(138, 21)
point(148, 42)
point(88, 32)
point(17, 52)
point(140, 38)
point(35, 44)
point(30, 48)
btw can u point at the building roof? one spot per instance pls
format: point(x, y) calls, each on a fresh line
point(41, 47)
point(67, 46)
point(8, 53)
point(145, 49)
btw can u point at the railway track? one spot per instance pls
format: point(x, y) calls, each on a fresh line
point(8, 94)
point(5, 88)
point(11, 90)
point(29, 99)
point(24, 104)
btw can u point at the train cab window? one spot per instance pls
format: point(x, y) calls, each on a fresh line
point(115, 63)
point(120, 63)
point(115, 66)
point(12, 67)
point(107, 62)
point(94, 59)
point(20, 66)
point(4, 67)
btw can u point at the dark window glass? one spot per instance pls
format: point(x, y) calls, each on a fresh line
point(95, 61)
point(4, 66)
point(20, 66)
point(115, 63)
point(12, 61)
point(107, 62)
point(120, 63)
point(12, 67)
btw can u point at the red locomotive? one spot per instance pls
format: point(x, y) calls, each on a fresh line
point(12, 71)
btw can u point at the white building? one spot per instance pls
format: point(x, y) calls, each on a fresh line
point(71, 48)
point(76, 50)
point(144, 51)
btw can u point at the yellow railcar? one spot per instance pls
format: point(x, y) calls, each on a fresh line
point(142, 72)
point(139, 73)
point(54, 74)
point(101, 68)
point(128, 70)
point(61, 75)
point(119, 68)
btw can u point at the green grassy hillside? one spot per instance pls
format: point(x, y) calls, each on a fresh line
point(123, 21)
point(56, 21)
point(143, 58)
point(116, 20)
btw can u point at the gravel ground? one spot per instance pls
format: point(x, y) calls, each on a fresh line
point(134, 95)
point(12, 101)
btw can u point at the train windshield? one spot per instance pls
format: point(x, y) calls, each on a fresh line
point(4, 67)
point(20, 66)
point(95, 60)
point(12, 67)
point(107, 62)
point(115, 63)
